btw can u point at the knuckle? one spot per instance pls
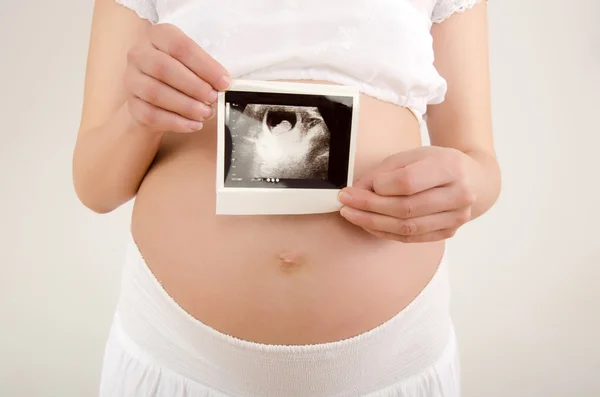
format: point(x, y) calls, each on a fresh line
point(133, 54)
point(404, 239)
point(147, 115)
point(470, 198)
point(369, 222)
point(406, 209)
point(406, 182)
point(151, 92)
point(465, 195)
point(406, 228)
point(180, 48)
point(463, 217)
point(368, 204)
point(158, 69)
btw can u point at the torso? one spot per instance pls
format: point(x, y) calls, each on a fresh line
point(292, 279)
point(277, 279)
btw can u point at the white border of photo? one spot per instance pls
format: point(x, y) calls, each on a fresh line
point(284, 201)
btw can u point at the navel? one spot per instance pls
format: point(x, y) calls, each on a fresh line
point(290, 261)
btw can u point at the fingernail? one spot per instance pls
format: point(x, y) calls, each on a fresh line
point(195, 125)
point(213, 114)
point(348, 212)
point(213, 96)
point(205, 110)
point(224, 83)
point(344, 211)
point(344, 196)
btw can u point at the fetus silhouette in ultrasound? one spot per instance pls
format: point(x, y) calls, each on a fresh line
point(279, 142)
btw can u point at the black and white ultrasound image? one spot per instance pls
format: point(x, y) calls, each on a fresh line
point(278, 140)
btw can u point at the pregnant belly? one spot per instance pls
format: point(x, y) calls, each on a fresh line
point(277, 279)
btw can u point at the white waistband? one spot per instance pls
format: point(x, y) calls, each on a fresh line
point(153, 325)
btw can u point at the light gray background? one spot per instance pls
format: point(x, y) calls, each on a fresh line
point(526, 276)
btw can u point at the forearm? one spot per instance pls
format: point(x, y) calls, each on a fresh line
point(110, 161)
point(486, 181)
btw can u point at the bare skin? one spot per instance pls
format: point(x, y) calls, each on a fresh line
point(276, 279)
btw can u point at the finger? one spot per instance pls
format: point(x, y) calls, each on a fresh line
point(414, 178)
point(175, 74)
point(432, 201)
point(172, 41)
point(438, 235)
point(161, 95)
point(366, 180)
point(407, 227)
point(160, 119)
point(393, 162)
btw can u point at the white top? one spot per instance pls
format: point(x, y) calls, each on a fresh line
point(383, 47)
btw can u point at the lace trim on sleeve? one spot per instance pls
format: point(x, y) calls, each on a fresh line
point(144, 8)
point(444, 9)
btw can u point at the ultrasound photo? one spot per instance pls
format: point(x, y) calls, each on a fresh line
point(279, 142)
point(286, 140)
point(284, 148)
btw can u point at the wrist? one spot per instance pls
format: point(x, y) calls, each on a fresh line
point(110, 160)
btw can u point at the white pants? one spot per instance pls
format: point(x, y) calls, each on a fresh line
point(155, 348)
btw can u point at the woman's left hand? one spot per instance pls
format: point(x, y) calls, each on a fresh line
point(421, 195)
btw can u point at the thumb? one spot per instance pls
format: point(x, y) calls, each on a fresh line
point(391, 163)
point(365, 181)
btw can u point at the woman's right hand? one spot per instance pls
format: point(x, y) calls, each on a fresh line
point(171, 82)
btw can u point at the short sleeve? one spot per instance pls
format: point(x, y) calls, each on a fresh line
point(144, 8)
point(444, 9)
